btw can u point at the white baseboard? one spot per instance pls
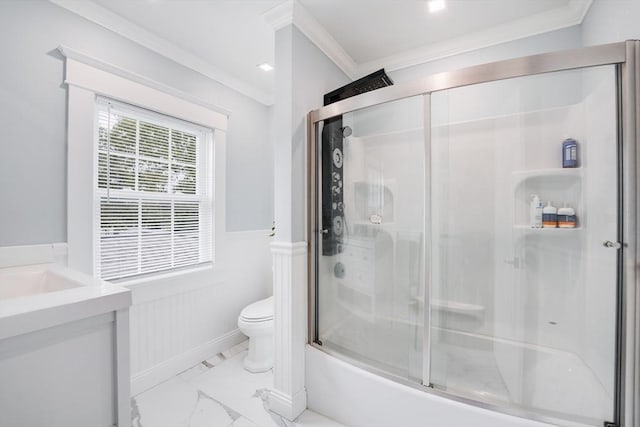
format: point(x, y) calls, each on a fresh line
point(288, 406)
point(153, 376)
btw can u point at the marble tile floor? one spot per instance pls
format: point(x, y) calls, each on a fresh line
point(215, 393)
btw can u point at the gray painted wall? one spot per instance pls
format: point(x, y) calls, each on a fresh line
point(33, 121)
point(305, 74)
point(314, 74)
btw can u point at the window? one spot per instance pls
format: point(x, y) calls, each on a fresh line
point(153, 192)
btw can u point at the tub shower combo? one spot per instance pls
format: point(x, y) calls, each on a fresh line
point(424, 266)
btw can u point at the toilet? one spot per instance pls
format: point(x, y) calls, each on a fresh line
point(256, 322)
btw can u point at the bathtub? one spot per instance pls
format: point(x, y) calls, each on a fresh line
point(64, 349)
point(564, 383)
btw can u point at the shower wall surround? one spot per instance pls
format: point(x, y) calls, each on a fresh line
point(443, 285)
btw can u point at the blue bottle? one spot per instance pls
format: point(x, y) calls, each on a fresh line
point(569, 153)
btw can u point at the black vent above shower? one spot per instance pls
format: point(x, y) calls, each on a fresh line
point(373, 81)
point(333, 134)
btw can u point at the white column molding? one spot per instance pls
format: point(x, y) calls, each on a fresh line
point(289, 397)
point(80, 179)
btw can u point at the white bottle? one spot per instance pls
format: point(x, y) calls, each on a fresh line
point(549, 216)
point(536, 212)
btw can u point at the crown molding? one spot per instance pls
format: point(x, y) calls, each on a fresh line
point(113, 22)
point(70, 53)
point(571, 14)
point(292, 12)
point(280, 16)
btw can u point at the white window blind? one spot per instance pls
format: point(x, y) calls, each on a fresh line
point(153, 189)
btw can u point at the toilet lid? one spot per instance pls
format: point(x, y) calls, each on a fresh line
point(260, 310)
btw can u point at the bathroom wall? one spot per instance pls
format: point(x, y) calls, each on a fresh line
point(610, 21)
point(305, 74)
point(179, 321)
point(567, 38)
point(33, 119)
point(175, 321)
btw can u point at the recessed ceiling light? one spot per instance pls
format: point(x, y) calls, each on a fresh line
point(436, 5)
point(265, 67)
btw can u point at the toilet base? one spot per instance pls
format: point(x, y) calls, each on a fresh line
point(260, 355)
point(257, 367)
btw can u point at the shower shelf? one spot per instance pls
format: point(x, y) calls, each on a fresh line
point(558, 185)
point(524, 175)
point(548, 231)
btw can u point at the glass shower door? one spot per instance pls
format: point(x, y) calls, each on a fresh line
point(521, 316)
point(370, 255)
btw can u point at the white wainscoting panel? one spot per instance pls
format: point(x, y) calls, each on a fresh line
point(178, 321)
point(288, 397)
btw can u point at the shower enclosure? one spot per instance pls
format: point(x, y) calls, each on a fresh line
point(425, 268)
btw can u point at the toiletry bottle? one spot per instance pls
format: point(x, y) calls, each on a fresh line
point(535, 213)
point(549, 216)
point(567, 217)
point(569, 153)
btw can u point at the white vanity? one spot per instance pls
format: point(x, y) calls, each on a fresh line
point(64, 349)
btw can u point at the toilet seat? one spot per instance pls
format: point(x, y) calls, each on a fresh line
point(260, 311)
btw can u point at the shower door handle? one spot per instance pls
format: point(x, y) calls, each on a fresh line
point(324, 231)
point(612, 245)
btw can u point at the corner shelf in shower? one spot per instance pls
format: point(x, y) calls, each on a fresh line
point(551, 173)
point(559, 185)
point(525, 229)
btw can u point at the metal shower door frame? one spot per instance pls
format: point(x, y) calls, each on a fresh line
point(626, 57)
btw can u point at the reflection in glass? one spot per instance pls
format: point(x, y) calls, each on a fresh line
point(371, 279)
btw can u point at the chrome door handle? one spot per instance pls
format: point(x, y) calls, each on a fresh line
point(612, 245)
point(325, 231)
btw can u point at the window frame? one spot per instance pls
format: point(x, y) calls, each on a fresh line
point(87, 79)
point(203, 195)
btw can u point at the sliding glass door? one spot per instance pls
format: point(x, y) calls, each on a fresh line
point(523, 308)
point(370, 256)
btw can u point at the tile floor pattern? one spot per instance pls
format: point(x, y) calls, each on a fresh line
point(215, 393)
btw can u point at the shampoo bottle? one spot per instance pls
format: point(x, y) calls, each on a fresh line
point(569, 153)
point(566, 217)
point(536, 212)
point(549, 216)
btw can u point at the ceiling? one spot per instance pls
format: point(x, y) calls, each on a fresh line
point(227, 39)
